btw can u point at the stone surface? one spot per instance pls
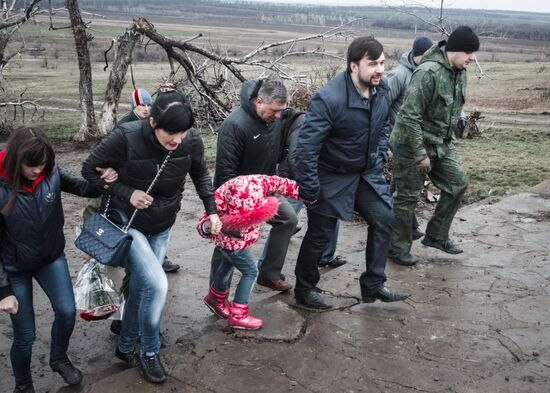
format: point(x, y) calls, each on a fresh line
point(478, 322)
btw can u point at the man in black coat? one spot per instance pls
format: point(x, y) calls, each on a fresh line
point(339, 164)
point(249, 143)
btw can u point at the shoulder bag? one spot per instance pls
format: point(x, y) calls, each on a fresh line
point(105, 241)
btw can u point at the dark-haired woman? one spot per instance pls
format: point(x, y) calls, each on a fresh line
point(32, 244)
point(137, 150)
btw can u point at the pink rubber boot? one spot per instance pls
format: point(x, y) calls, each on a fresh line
point(216, 301)
point(239, 318)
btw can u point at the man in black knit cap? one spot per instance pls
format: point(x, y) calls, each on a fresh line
point(398, 81)
point(422, 141)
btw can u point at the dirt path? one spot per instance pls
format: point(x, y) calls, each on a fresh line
point(476, 322)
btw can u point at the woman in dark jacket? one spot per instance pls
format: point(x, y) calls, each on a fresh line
point(32, 244)
point(137, 150)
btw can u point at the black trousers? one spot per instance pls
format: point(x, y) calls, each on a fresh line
point(379, 217)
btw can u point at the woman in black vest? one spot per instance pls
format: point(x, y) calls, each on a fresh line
point(32, 244)
point(137, 150)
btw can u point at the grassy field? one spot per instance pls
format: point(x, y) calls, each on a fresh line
point(512, 154)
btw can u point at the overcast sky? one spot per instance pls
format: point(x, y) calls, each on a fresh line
point(514, 5)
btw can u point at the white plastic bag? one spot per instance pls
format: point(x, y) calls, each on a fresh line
point(95, 292)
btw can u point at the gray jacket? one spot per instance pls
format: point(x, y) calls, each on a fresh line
point(398, 80)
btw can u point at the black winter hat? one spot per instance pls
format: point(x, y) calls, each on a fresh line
point(462, 39)
point(421, 45)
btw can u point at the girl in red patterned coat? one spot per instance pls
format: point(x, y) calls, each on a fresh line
point(243, 204)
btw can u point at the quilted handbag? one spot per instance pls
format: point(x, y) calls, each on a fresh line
point(105, 241)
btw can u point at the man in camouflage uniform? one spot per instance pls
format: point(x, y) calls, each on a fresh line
point(398, 81)
point(422, 141)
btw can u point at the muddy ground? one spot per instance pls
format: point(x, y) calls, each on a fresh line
point(476, 322)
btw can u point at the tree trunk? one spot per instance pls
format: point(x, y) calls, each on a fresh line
point(88, 128)
point(123, 46)
point(3, 43)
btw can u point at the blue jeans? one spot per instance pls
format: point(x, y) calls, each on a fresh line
point(243, 261)
point(55, 280)
point(147, 295)
point(330, 249)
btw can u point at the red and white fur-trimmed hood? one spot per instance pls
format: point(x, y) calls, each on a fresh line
point(244, 203)
point(254, 216)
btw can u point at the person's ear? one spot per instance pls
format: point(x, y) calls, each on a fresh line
point(152, 123)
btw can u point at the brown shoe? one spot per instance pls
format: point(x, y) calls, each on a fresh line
point(276, 285)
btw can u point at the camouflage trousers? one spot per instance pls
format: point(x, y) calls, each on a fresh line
point(447, 174)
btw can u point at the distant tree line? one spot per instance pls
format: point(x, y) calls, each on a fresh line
point(519, 25)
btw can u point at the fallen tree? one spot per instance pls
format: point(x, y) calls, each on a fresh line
point(211, 79)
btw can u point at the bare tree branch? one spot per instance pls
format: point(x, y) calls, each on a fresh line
point(207, 69)
point(27, 14)
point(10, 24)
point(20, 105)
point(326, 34)
point(438, 25)
point(52, 12)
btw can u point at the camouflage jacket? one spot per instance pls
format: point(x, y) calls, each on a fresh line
point(431, 108)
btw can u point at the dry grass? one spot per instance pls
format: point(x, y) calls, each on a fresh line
point(513, 152)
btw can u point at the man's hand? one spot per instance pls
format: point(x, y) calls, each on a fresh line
point(309, 199)
point(140, 200)
point(423, 165)
point(9, 304)
point(109, 174)
point(309, 202)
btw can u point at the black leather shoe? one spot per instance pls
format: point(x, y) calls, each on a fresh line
point(402, 258)
point(29, 388)
point(65, 368)
point(447, 246)
point(131, 359)
point(417, 233)
point(312, 299)
point(384, 295)
point(152, 368)
point(169, 267)
point(337, 261)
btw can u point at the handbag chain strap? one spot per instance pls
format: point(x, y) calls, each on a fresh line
point(127, 226)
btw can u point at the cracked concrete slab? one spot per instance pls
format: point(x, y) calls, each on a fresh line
point(282, 323)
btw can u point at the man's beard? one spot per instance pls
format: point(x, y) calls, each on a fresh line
point(368, 83)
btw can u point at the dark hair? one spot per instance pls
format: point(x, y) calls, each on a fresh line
point(172, 112)
point(29, 146)
point(364, 46)
point(272, 90)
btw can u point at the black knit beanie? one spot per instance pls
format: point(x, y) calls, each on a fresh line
point(421, 45)
point(462, 39)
